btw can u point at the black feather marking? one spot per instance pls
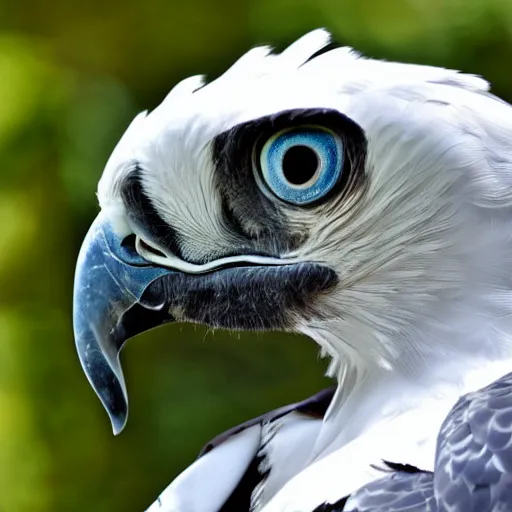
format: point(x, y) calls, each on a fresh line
point(403, 468)
point(144, 214)
point(338, 506)
point(333, 45)
point(256, 215)
point(240, 498)
point(315, 406)
point(247, 298)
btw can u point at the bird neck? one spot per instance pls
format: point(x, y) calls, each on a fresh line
point(423, 386)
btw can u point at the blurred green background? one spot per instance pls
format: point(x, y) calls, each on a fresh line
point(72, 75)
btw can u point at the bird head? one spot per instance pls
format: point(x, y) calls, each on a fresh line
point(362, 203)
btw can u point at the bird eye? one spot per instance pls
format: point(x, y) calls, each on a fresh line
point(302, 165)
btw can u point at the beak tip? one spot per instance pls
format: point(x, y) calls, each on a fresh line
point(118, 423)
point(115, 403)
point(106, 378)
point(118, 414)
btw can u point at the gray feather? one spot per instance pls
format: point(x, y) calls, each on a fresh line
point(474, 456)
point(397, 492)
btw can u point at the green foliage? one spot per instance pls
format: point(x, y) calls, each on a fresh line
point(73, 76)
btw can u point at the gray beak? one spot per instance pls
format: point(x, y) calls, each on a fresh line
point(112, 303)
point(119, 295)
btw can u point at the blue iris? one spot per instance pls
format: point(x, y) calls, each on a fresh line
point(302, 165)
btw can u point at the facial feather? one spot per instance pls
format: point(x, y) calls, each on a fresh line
point(435, 171)
point(413, 247)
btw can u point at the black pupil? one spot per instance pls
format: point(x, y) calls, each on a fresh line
point(299, 164)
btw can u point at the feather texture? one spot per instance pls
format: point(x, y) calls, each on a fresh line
point(422, 309)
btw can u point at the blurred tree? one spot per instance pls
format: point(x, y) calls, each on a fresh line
point(73, 76)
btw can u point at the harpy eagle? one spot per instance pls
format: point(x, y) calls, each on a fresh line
point(365, 204)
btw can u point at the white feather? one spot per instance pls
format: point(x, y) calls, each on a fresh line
point(205, 485)
point(423, 310)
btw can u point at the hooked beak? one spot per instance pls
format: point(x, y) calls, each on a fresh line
point(118, 295)
point(109, 307)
